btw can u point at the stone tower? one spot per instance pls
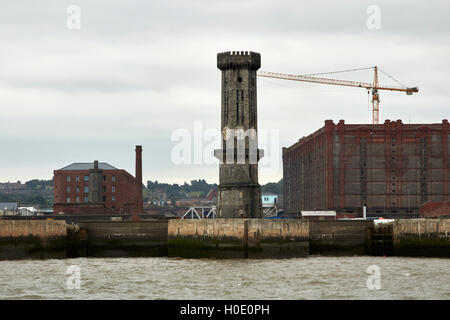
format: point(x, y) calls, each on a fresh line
point(239, 190)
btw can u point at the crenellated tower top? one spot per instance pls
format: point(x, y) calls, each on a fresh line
point(238, 60)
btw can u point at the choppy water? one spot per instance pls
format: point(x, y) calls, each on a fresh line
point(164, 278)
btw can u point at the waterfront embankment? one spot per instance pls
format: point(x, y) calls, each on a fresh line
point(222, 238)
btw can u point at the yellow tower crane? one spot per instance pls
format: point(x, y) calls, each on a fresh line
point(375, 86)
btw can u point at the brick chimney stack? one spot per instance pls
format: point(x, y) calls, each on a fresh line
point(139, 201)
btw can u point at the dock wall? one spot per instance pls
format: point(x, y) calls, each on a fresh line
point(124, 238)
point(20, 239)
point(339, 237)
point(222, 238)
point(238, 238)
point(421, 237)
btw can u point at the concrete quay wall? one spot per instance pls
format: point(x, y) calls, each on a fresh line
point(122, 238)
point(421, 237)
point(221, 238)
point(238, 238)
point(345, 237)
point(32, 239)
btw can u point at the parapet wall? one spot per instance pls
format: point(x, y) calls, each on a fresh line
point(38, 228)
point(238, 60)
point(238, 238)
point(422, 228)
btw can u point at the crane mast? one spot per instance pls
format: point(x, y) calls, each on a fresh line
point(374, 87)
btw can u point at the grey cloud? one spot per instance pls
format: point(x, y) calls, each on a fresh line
point(138, 70)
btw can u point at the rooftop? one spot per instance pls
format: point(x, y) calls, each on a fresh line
point(88, 165)
point(9, 206)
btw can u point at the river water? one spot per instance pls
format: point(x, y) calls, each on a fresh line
point(169, 278)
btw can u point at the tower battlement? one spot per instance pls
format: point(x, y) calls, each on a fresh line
point(238, 59)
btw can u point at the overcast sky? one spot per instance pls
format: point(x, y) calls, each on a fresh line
point(136, 71)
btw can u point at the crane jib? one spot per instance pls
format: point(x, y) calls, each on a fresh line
point(348, 83)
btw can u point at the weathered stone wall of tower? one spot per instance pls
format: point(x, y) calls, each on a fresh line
point(239, 190)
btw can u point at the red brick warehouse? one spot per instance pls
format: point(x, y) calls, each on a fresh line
point(393, 168)
point(96, 188)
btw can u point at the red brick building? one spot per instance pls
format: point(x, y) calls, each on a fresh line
point(392, 169)
point(435, 209)
point(95, 188)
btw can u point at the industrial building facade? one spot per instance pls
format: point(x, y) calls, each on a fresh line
point(96, 188)
point(392, 168)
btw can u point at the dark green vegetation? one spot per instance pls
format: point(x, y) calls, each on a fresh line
point(32, 199)
point(196, 189)
point(37, 184)
point(273, 187)
point(32, 193)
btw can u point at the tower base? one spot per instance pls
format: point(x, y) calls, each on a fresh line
point(237, 201)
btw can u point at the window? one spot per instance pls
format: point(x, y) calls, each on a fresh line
point(68, 200)
point(86, 199)
point(77, 178)
point(78, 189)
point(113, 189)
point(104, 188)
point(77, 199)
point(104, 178)
point(68, 189)
point(113, 178)
point(113, 198)
point(68, 178)
point(86, 178)
point(86, 189)
point(104, 199)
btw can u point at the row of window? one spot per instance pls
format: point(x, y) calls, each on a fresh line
point(86, 178)
point(86, 199)
point(86, 189)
